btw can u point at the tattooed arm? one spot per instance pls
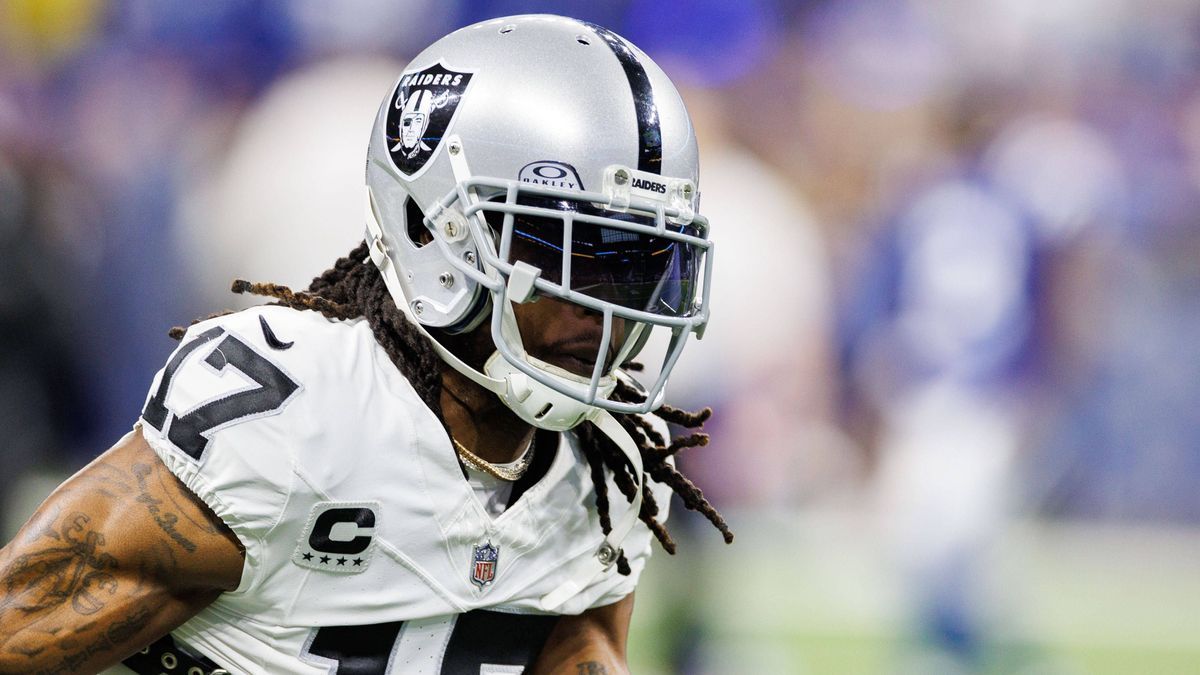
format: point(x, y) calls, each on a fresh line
point(592, 643)
point(117, 556)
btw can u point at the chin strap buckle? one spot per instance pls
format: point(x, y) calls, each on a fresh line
point(607, 554)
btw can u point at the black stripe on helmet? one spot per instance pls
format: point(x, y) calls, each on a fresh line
point(649, 133)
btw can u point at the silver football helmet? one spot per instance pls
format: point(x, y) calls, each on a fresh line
point(540, 155)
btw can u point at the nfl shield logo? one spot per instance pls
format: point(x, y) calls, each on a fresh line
point(483, 564)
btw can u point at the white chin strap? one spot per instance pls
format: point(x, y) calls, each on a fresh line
point(585, 570)
point(538, 405)
point(535, 403)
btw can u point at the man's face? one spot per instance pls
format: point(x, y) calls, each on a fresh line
point(412, 125)
point(565, 334)
point(553, 330)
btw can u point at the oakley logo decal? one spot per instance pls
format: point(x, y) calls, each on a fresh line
point(551, 174)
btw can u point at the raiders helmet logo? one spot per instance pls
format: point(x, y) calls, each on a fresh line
point(422, 110)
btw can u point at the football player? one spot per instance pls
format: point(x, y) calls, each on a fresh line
point(435, 459)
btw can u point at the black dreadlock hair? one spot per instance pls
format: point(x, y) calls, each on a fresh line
point(354, 288)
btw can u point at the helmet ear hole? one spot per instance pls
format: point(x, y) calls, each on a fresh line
point(418, 234)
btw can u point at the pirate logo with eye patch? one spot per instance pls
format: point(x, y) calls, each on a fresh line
point(422, 109)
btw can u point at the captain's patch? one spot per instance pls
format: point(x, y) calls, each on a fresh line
point(339, 537)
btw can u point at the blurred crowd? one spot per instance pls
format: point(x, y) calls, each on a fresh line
point(958, 261)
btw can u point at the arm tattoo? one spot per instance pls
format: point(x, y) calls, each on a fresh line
point(591, 668)
point(117, 633)
point(43, 526)
point(163, 518)
point(167, 486)
point(156, 567)
point(63, 585)
point(75, 571)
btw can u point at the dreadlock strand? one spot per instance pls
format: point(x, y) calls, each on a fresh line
point(698, 439)
point(618, 464)
point(596, 463)
point(332, 276)
point(692, 497)
point(290, 298)
point(683, 418)
point(626, 392)
point(649, 515)
point(655, 452)
point(403, 344)
point(608, 452)
point(648, 429)
point(649, 503)
point(597, 470)
point(661, 534)
point(635, 430)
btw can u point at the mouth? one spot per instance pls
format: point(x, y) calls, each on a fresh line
point(577, 356)
point(573, 363)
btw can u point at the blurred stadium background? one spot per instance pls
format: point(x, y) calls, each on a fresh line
point(955, 358)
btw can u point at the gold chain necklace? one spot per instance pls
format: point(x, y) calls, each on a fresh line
point(502, 472)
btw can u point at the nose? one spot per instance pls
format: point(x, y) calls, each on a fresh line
point(581, 312)
point(591, 317)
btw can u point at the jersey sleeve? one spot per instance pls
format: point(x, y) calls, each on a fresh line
point(215, 416)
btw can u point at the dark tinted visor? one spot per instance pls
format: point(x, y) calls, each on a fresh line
point(629, 269)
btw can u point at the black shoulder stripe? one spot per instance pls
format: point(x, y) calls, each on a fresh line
point(649, 133)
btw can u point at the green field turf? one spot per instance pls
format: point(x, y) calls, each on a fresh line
point(822, 594)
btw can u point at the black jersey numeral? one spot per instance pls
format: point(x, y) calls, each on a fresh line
point(478, 639)
point(155, 413)
point(191, 431)
point(358, 650)
point(481, 637)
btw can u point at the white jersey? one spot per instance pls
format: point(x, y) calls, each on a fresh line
point(364, 541)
